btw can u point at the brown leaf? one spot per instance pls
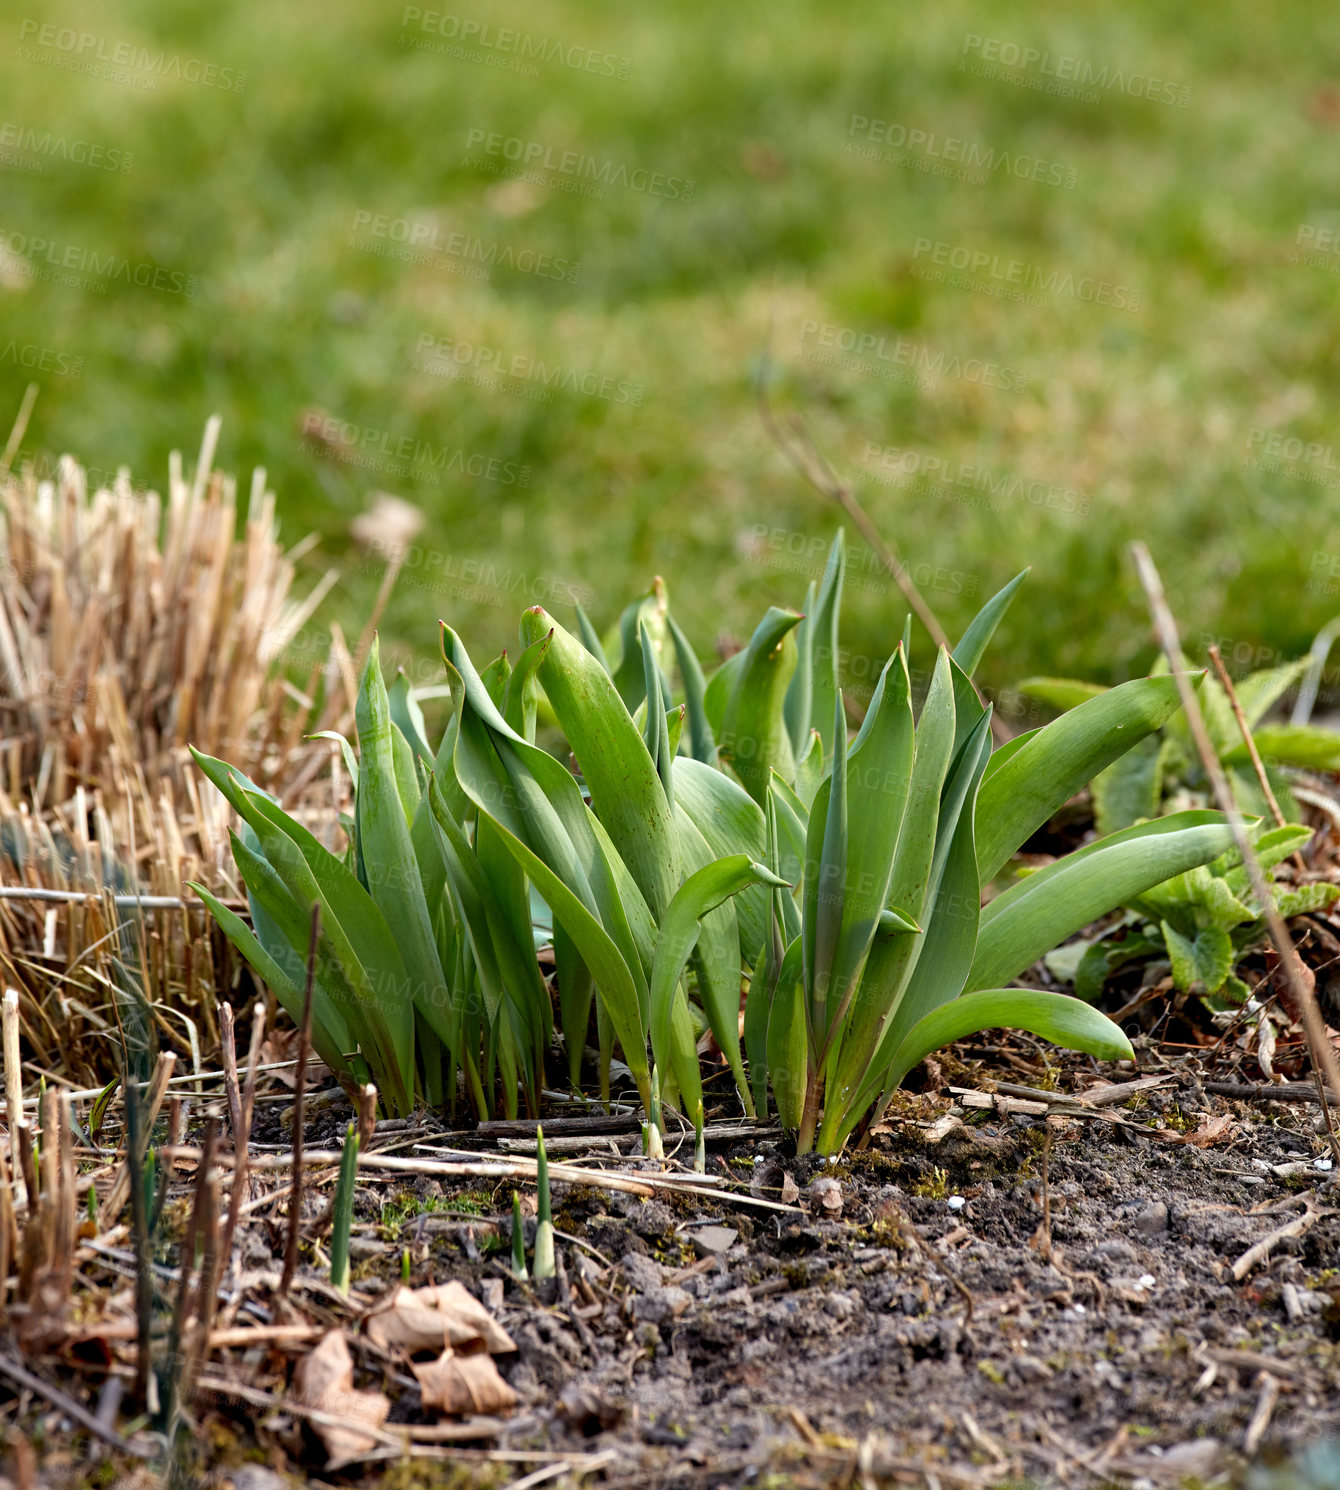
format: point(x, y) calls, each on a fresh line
point(1211, 1130)
point(325, 1380)
point(431, 1318)
point(464, 1384)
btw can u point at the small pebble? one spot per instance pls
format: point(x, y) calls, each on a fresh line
point(956, 1202)
point(1146, 1280)
point(1321, 1163)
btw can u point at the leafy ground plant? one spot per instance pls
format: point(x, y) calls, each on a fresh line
point(1164, 767)
point(737, 846)
point(1203, 921)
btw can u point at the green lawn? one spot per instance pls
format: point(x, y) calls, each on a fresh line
point(1127, 320)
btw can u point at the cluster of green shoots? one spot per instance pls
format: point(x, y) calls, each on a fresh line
point(717, 834)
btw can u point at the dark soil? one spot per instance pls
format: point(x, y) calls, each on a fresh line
point(909, 1322)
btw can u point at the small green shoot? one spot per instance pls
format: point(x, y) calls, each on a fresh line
point(544, 1231)
point(344, 1211)
point(518, 1241)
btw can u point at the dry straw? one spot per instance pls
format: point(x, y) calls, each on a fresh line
point(132, 624)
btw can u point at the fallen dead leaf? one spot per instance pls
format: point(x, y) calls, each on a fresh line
point(1210, 1130)
point(447, 1315)
point(324, 1379)
point(464, 1384)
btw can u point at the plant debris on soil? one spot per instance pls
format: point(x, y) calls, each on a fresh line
point(1018, 1280)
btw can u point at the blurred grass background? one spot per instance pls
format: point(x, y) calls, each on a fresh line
point(1147, 415)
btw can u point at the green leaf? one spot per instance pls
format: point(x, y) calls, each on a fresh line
point(799, 704)
point(975, 640)
point(1302, 901)
point(656, 735)
point(649, 610)
point(1203, 962)
point(1307, 745)
point(753, 739)
point(718, 959)
point(788, 1040)
point(1061, 693)
point(1259, 692)
point(408, 716)
point(823, 629)
point(732, 823)
point(1130, 788)
point(1019, 796)
point(538, 807)
point(626, 793)
point(674, 1044)
point(1068, 1022)
point(394, 881)
point(702, 743)
point(1045, 908)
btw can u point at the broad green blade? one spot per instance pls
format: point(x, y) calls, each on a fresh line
point(878, 774)
point(649, 610)
point(788, 1040)
point(1131, 788)
point(821, 908)
point(1259, 692)
point(975, 640)
point(394, 881)
point(810, 770)
point(717, 958)
point(800, 690)
point(1016, 799)
point(753, 738)
point(702, 742)
point(718, 691)
point(673, 1042)
point(1061, 693)
point(732, 823)
point(1045, 908)
point(538, 807)
point(626, 793)
point(823, 643)
point(408, 716)
point(1068, 1022)
point(1307, 745)
point(656, 734)
point(575, 991)
point(523, 690)
point(909, 976)
point(327, 1044)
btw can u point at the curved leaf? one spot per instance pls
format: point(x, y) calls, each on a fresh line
point(1045, 908)
point(1059, 759)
